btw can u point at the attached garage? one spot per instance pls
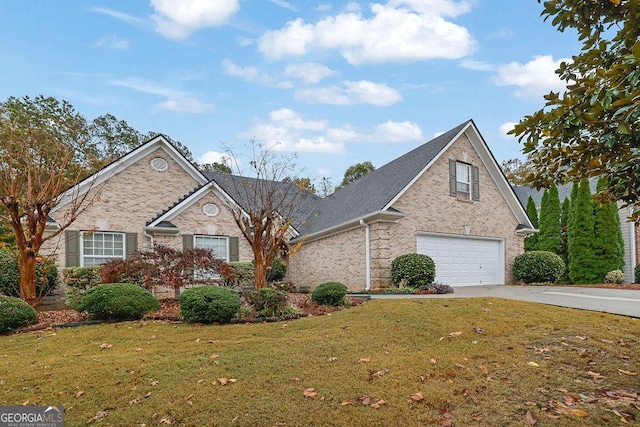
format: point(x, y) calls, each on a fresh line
point(464, 260)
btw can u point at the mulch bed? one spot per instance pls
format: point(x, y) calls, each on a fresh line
point(170, 310)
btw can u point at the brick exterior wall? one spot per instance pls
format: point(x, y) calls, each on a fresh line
point(136, 195)
point(429, 208)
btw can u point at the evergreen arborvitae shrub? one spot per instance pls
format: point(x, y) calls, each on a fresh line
point(549, 237)
point(118, 301)
point(46, 275)
point(538, 266)
point(564, 220)
point(531, 242)
point(329, 293)
point(608, 244)
point(413, 270)
point(209, 304)
point(15, 314)
point(582, 259)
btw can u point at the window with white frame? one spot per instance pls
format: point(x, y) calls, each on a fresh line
point(219, 245)
point(463, 180)
point(100, 247)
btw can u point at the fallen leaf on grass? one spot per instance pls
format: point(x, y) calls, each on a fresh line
point(595, 375)
point(333, 359)
point(417, 397)
point(478, 330)
point(378, 404)
point(80, 393)
point(309, 393)
point(214, 356)
point(533, 364)
point(166, 421)
point(99, 415)
point(346, 402)
point(483, 369)
point(146, 396)
point(365, 400)
point(364, 360)
point(455, 334)
point(433, 360)
point(377, 374)
point(225, 381)
point(622, 371)
point(105, 345)
point(528, 419)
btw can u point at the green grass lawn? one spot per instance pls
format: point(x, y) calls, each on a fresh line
point(486, 362)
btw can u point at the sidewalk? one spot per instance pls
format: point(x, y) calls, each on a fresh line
point(615, 301)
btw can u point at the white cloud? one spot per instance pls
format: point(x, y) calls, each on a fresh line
point(214, 157)
point(253, 75)
point(309, 72)
point(283, 4)
point(178, 19)
point(295, 133)
point(505, 128)
point(113, 42)
point(176, 100)
point(477, 65)
point(349, 93)
point(323, 7)
point(400, 30)
point(129, 19)
point(533, 79)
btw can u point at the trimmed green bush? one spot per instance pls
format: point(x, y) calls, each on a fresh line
point(77, 281)
point(46, 275)
point(209, 304)
point(15, 314)
point(330, 293)
point(412, 270)
point(636, 274)
point(277, 270)
point(614, 276)
point(268, 302)
point(538, 266)
point(118, 301)
point(245, 274)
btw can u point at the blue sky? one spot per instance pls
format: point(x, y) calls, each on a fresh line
point(336, 82)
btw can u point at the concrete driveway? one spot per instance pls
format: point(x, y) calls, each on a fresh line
point(616, 301)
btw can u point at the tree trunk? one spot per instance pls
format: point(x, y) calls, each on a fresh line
point(27, 267)
point(260, 273)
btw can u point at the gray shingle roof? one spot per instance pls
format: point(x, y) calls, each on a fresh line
point(374, 191)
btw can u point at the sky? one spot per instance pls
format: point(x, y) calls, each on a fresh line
point(334, 83)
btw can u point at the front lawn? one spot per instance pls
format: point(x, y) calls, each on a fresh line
point(401, 362)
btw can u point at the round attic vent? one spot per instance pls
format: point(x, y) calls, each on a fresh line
point(159, 164)
point(210, 209)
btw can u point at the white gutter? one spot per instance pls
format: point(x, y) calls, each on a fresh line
point(367, 251)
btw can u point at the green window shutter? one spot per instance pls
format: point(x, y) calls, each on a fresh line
point(131, 243)
point(187, 241)
point(475, 182)
point(234, 249)
point(72, 248)
point(452, 178)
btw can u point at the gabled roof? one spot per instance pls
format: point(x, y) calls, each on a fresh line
point(375, 193)
point(97, 179)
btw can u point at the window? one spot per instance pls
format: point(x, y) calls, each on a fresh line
point(100, 247)
point(216, 244)
point(210, 209)
point(463, 180)
point(159, 164)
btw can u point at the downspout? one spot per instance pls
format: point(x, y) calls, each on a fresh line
point(632, 238)
point(367, 251)
point(150, 236)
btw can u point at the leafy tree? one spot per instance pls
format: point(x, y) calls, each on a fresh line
point(549, 237)
point(325, 187)
point(531, 241)
point(302, 183)
point(608, 243)
point(45, 148)
point(176, 144)
point(214, 167)
point(265, 205)
point(356, 171)
point(582, 257)
point(564, 220)
point(593, 128)
point(114, 137)
point(516, 171)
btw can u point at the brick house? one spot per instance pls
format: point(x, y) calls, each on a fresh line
point(447, 198)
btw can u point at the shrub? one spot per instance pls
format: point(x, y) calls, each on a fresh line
point(15, 314)
point(118, 301)
point(614, 276)
point(244, 275)
point(46, 275)
point(538, 266)
point(77, 281)
point(412, 270)
point(637, 274)
point(330, 293)
point(277, 270)
point(208, 304)
point(437, 288)
point(268, 302)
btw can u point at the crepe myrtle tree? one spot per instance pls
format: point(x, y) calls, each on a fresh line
point(265, 199)
point(45, 148)
point(593, 128)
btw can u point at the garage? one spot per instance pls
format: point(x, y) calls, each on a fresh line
point(464, 260)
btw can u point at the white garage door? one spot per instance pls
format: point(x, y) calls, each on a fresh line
point(464, 261)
